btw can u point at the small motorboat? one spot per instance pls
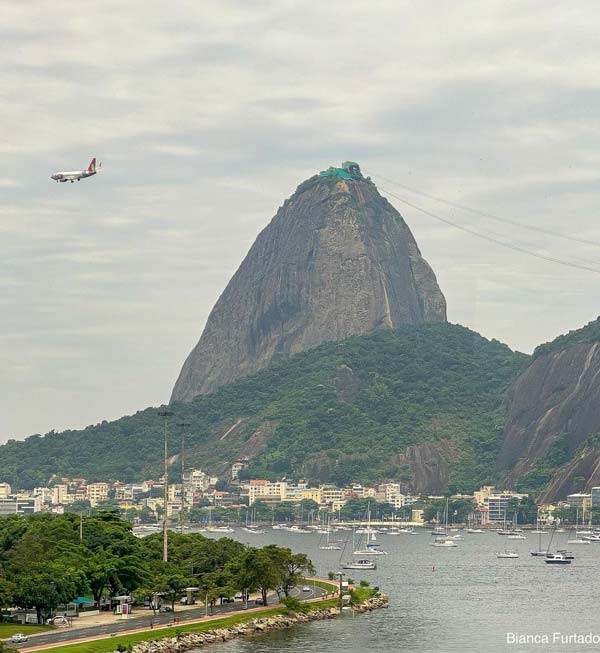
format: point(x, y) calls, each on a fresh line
point(508, 554)
point(443, 542)
point(557, 559)
point(360, 564)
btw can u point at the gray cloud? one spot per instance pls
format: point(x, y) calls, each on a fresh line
point(208, 115)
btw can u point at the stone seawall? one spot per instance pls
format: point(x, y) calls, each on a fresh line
point(189, 641)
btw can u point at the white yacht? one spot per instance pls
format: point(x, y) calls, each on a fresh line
point(557, 559)
point(360, 564)
point(443, 542)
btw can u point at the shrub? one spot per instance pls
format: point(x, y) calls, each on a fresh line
point(294, 606)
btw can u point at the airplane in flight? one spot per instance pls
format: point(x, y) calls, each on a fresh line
point(76, 175)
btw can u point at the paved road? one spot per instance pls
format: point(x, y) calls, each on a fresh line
point(71, 635)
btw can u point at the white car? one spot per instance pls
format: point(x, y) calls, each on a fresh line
point(306, 588)
point(17, 638)
point(239, 595)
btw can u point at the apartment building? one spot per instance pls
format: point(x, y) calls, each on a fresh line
point(96, 493)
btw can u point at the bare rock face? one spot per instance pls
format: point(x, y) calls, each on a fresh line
point(556, 400)
point(336, 260)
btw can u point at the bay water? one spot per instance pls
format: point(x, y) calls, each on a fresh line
point(455, 599)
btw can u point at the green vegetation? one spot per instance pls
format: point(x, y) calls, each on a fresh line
point(589, 333)
point(546, 466)
point(311, 415)
point(361, 594)
point(6, 630)
point(458, 510)
point(109, 645)
point(43, 564)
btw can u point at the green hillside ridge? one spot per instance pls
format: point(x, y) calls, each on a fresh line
point(309, 415)
point(589, 333)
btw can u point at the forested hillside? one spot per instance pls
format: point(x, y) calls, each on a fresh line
point(420, 403)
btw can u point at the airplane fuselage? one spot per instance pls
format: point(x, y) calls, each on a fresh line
point(76, 175)
point(72, 176)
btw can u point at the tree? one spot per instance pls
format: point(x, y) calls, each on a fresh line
point(7, 590)
point(43, 587)
point(254, 570)
point(291, 567)
point(216, 585)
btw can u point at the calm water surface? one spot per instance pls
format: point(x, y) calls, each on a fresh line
point(459, 599)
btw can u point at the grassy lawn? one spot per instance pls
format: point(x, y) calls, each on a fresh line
point(110, 644)
point(329, 587)
point(6, 630)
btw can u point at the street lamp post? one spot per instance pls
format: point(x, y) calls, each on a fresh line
point(182, 426)
point(341, 575)
point(166, 414)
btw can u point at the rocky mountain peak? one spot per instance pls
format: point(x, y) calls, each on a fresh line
point(336, 260)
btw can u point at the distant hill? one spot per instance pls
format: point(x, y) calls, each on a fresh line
point(420, 403)
point(551, 444)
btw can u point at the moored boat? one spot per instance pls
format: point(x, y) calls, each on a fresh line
point(557, 559)
point(360, 564)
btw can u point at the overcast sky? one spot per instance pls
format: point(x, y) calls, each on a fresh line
point(207, 115)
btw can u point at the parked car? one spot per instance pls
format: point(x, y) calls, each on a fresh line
point(239, 595)
point(227, 599)
point(166, 608)
point(17, 638)
point(259, 602)
point(306, 588)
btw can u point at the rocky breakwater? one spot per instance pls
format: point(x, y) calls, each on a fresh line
point(190, 641)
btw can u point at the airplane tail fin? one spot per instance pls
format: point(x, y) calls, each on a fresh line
point(92, 166)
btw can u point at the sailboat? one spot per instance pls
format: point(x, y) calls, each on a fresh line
point(329, 546)
point(539, 532)
point(516, 533)
point(561, 557)
point(578, 533)
point(507, 553)
point(372, 546)
point(252, 526)
point(443, 541)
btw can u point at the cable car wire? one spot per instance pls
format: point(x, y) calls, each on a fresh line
point(485, 214)
point(491, 239)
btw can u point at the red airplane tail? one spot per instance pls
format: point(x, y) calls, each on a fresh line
point(92, 166)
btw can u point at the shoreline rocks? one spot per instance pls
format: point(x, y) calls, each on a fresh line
point(188, 641)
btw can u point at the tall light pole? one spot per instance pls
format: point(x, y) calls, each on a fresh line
point(166, 414)
point(182, 426)
point(341, 575)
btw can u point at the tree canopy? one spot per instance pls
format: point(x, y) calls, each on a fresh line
point(45, 562)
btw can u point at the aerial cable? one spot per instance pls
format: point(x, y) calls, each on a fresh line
point(491, 216)
point(491, 239)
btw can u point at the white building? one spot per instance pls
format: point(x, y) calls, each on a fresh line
point(5, 490)
point(197, 479)
point(498, 505)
